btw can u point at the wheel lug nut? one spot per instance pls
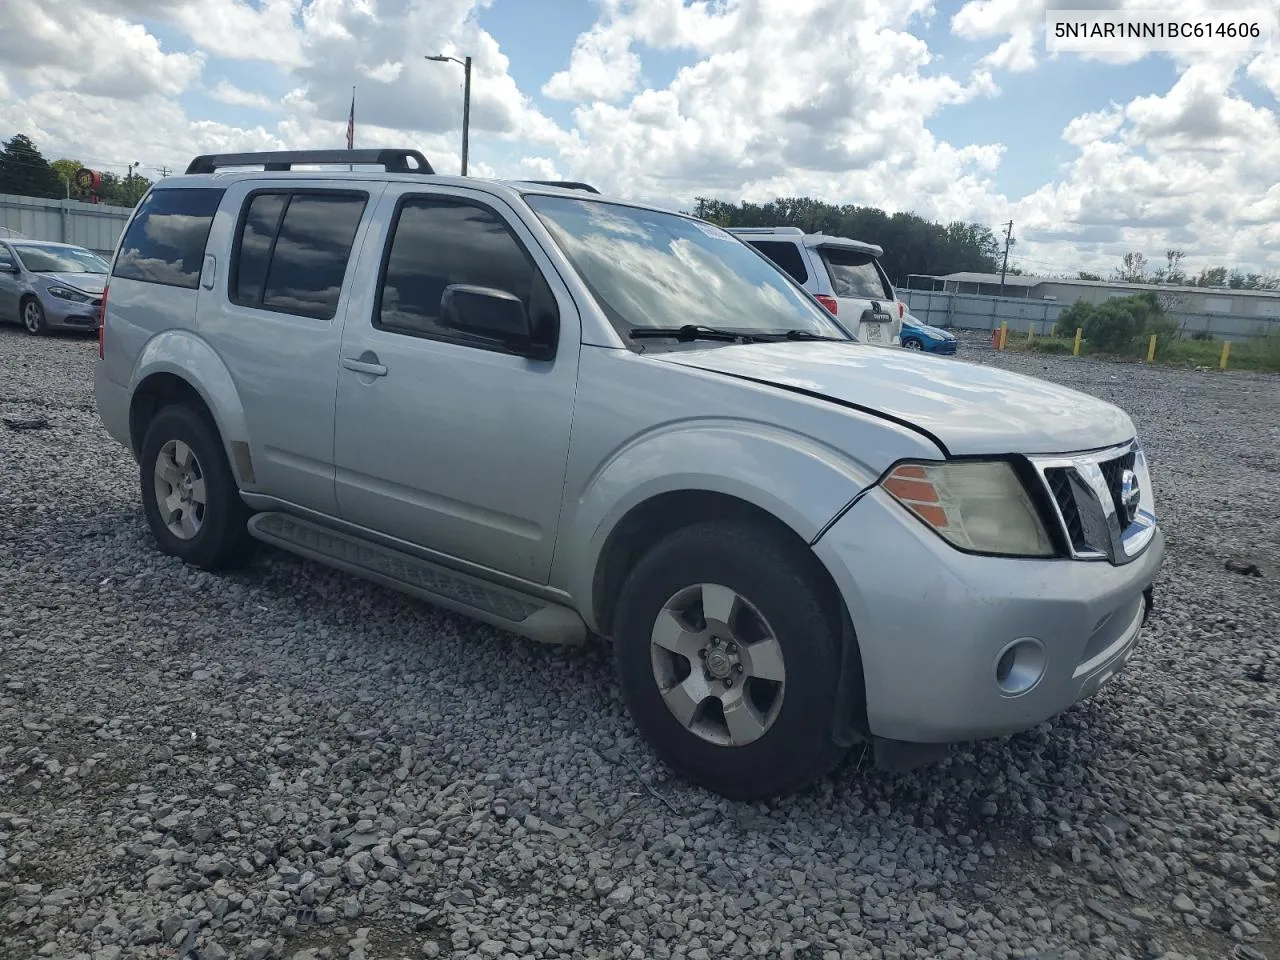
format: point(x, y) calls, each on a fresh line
point(703, 653)
point(737, 668)
point(728, 681)
point(731, 648)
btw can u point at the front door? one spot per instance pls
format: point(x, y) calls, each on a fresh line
point(451, 445)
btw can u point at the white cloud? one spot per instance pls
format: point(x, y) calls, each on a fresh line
point(832, 99)
point(61, 44)
point(230, 94)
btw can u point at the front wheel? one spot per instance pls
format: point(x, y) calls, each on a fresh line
point(728, 655)
point(189, 496)
point(33, 318)
point(911, 343)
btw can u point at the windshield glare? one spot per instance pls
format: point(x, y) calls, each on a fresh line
point(60, 260)
point(653, 269)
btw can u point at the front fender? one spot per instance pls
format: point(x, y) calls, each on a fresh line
point(188, 357)
point(800, 481)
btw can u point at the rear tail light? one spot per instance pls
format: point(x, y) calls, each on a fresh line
point(828, 302)
point(102, 325)
point(902, 308)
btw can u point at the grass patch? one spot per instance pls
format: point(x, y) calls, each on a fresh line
point(1258, 354)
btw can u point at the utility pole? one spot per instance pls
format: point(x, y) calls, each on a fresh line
point(164, 172)
point(1008, 235)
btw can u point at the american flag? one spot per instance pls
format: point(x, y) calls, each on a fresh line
point(351, 122)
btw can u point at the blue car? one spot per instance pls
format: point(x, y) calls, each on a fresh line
point(921, 336)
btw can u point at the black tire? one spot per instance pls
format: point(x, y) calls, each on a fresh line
point(31, 316)
point(911, 343)
point(777, 578)
point(222, 540)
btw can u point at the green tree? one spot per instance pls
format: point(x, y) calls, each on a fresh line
point(66, 170)
point(1086, 275)
point(911, 244)
point(1133, 268)
point(1212, 277)
point(24, 170)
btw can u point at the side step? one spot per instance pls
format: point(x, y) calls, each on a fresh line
point(497, 606)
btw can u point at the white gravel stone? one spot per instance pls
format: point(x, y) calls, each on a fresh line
point(255, 763)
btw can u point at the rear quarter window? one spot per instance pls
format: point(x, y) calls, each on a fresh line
point(165, 241)
point(855, 274)
point(786, 255)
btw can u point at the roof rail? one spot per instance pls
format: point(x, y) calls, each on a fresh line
point(391, 160)
point(786, 231)
point(565, 185)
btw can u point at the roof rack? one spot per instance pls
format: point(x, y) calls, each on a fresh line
point(786, 231)
point(565, 185)
point(391, 160)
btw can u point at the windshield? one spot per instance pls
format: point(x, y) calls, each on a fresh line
point(854, 274)
point(60, 259)
point(652, 269)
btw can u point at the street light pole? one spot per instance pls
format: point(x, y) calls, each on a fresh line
point(466, 101)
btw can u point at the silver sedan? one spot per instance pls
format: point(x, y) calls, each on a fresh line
point(50, 286)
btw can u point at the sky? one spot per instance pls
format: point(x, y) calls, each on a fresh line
point(952, 109)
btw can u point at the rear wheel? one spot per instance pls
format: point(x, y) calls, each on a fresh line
point(728, 654)
point(33, 317)
point(911, 343)
point(189, 495)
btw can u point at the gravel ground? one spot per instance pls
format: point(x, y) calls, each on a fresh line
point(288, 762)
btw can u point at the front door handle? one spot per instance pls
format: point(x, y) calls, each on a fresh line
point(366, 364)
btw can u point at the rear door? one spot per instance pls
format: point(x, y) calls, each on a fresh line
point(278, 284)
point(858, 283)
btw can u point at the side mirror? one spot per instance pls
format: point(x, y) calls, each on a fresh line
point(492, 315)
point(8, 266)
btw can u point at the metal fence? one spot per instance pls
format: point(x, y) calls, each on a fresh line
point(971, 311)
point(90, 225)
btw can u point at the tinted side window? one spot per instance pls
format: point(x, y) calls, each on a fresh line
point(854, 274)
point(249, 273)
point(292, 251)
point(786, 255)
point(311, 253)
point(165, 241)
point(438, 242)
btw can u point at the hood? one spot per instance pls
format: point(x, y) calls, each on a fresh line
point(970, 409)
point(92, 283)
point(936, 332)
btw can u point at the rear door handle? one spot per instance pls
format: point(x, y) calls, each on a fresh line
point(370, 368)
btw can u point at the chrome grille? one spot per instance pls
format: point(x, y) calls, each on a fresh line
point(1086, 492)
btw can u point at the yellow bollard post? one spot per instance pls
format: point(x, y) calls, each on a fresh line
point(1004, 333)
point(1226, 352)
point(1151, 349)
point(1075, 351)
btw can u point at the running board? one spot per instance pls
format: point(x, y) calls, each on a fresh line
point(497, 606)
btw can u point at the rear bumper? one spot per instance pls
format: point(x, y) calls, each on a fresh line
point(934, 626)
point(113, 405)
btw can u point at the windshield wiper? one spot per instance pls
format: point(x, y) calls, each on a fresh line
point(795, 335)
point(689, 332)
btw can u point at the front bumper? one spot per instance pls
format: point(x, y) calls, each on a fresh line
point(946, 347)
point(62, 314)
point(933, 623)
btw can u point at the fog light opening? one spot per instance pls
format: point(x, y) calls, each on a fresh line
point(1019, 666)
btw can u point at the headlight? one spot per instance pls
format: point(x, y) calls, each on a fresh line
point(66, 293)
point(979, 506)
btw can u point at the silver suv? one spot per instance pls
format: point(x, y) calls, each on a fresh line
point(571, 417)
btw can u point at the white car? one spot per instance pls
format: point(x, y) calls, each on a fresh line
point(844, 275)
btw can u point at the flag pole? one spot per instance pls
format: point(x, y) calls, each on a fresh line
point(351, 127)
